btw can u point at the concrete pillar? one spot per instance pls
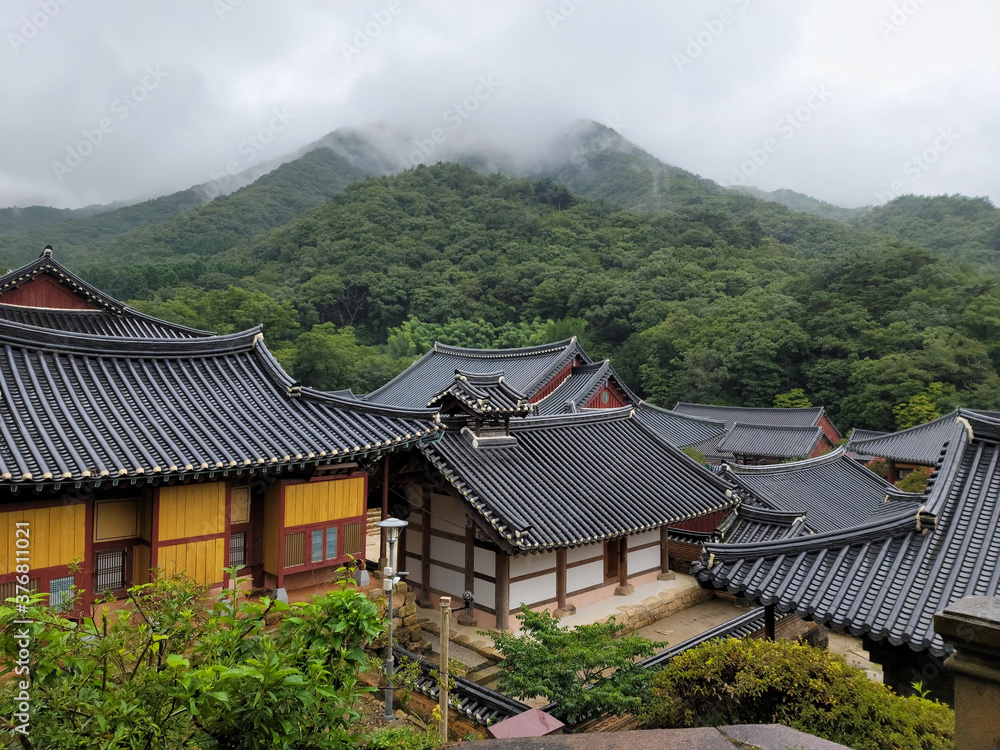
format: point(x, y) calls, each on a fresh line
point(972, 626)
point(666, 574)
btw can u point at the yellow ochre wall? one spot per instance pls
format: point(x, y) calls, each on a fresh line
point(202, 561)
point(317, 502)
point(192, 510)
point(57, 536)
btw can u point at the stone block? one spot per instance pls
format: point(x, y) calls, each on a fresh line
point(407, 609)
point(409, 622)
point(625, 590)
point(411, 598)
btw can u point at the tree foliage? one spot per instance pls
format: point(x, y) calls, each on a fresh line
point(178, 667)
point(761, 682)
point(585, 670)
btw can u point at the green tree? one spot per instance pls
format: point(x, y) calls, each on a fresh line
point(586, 670)
point(793, 399)
point(178, 667)
point(752, 681)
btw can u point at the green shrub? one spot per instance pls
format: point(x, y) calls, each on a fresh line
point(400, 738)
point(763, 682)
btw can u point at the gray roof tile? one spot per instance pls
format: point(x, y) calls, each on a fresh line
point(770, 441)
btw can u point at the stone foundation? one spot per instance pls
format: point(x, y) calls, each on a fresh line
point(653, 608)
point(406, 631)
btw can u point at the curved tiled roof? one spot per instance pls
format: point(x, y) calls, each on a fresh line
point(919, 445)
point(682, 430)
point(770, 441)
point(751, 524)
point(525, 370)
point(576, 479)
point(76, 408)
point(753, 415)
point(886, 578)
point(104, 322)
point(109, 317)
point(832, 491)
point(483, 394)
point(581, 386)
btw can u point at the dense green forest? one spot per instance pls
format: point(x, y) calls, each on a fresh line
point(696, 292)
point(696, 304)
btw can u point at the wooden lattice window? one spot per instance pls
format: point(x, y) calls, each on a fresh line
point(237, 549)
point(109, 572)
point(295, 549)
point(354, 538)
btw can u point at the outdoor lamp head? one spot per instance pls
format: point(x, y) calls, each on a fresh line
point(392, 527)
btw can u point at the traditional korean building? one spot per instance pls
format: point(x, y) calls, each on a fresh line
point(552, 511)
point(917, 447)
point(129, 444)
point(885, 577)
point(764, 435)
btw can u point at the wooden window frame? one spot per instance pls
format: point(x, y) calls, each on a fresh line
point(308, 529)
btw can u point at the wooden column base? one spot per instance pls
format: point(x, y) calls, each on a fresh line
point(625, 590)
point(668, 576)
point(467, 618)
point(569, 609)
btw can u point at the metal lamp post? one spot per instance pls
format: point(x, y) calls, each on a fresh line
point(392, 527)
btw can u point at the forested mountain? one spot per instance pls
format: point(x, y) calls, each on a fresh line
point(961, 227)
point(186, 223)
point(698, 304)
point(806, 204)
point(697, 292)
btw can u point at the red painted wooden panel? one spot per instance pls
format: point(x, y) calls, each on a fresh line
point(829, 430)
point(615, 400)
point(707, 522)
point(823, 446)
point(44, 291)
point(554, 382)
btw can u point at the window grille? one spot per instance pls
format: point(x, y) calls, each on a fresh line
point(354, 538)
point(9, 590)
point(317, 545)
point(295, 549)
point(331, 543)
point(61, 593)
point(237, 549)
point(110, 570)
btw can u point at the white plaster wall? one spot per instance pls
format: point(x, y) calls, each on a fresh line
point(413, 568)
point(646, 537)
point(447, 515)
point(643, 559)
point(486, 593)
point(538, 589)
point(530, 564)
point(451, 582)
point(486, 562)
point(584, 576)
point(576, 554)
point(447, 550)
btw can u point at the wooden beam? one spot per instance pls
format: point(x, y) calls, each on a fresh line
point(561, 578)
point(502, 602)
point(666, 574)
point(769, 622)
point(624, 588)
point(383, 543)
point(425, 546)
point(469, 617)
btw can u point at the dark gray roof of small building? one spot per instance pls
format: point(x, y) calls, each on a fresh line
point(483, 394)
point(525, 369)
point(886, 578)
point(832, 491)
point(754, 415)
point(682, 430)
point(918, 445)
point(576, 479)
point(770, 441)
point(77, 408)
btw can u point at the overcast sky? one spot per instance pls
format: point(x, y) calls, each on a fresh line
point(850, 101)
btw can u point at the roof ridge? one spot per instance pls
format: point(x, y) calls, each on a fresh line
point(24, 336)
point(755, 408)
point(830, 457)
point(680, 414)
point(45, 263)
point(522, 351)
point(915, 428)
point(590, 416)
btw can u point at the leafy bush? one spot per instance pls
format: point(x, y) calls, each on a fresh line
point(586, 670)
point(763, 682)
point(916, 480)
point(400, 738)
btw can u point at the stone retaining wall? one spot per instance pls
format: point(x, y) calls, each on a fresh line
point(653, 608)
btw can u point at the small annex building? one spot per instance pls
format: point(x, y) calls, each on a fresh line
point(884, 577)
point(759, 435)
point(551, 511)
point(128, 444)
